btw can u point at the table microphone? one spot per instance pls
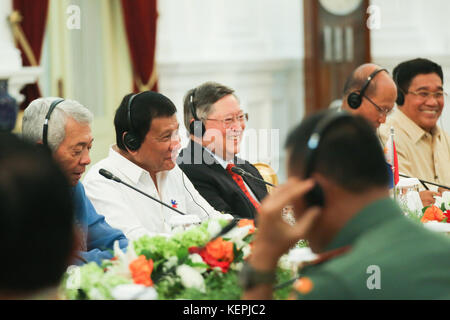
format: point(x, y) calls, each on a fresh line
point(110, 176)
point(244, 173)
point(423, 182)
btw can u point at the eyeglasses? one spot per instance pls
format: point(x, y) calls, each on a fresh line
point(383, 111)
point(427, 94)
point(228, 121)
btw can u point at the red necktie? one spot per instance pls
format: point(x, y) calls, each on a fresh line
point(240, 182)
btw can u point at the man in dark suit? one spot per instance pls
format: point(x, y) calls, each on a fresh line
point(216, 123)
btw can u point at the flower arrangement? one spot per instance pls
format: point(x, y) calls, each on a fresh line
point(191, 264)
point(433, 213)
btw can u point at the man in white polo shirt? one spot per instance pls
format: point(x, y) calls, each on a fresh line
point(147, 144)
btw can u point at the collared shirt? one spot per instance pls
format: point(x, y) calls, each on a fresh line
point(420, 154)
point(96, 236)
point(389, 257)
point(133, 213)
point(224, 164)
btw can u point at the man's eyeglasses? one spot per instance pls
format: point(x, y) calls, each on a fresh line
point(383, 111)
point(228, 121)
point(427, 94)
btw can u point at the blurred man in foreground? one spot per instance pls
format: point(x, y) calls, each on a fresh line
point(367, 248)
point(36, 221)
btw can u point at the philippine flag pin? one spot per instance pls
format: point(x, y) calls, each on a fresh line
point(174, 203)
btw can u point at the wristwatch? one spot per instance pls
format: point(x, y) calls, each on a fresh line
point(249, 277)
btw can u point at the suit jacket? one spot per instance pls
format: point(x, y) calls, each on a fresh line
point(216, 185)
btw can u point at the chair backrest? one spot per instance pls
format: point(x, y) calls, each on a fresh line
point(267, 173)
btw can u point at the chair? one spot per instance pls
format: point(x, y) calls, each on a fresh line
point(268, 174)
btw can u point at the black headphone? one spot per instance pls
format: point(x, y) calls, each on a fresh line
point(130, 139)
point(400, 95)
point(196, 127)
point(316, 197)
point(47, 118)
point(354, 99)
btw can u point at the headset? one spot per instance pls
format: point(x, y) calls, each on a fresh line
point(196, 127)
point(316, 197)
point(130, 139)
point(47, 118)
point(354, 99)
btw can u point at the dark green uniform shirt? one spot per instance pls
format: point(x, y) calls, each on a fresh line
point(391, 257)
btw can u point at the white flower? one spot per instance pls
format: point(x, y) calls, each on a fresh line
point(214, 227)
point(196, 258)
point(246, 250)
point(446, 199)
point(170, 262)
point(134, 292)
point(237, 266)
point(120, 266)
point(191, 278)
point(295, 257)
point(236, 235)
point(95, 294)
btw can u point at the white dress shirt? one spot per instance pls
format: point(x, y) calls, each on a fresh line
point(135, 214)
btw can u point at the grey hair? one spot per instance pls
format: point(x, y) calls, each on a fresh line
point(204, 96)
point(34, 117)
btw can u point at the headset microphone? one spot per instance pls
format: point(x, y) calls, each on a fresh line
point(354, 99)
point(196, 127)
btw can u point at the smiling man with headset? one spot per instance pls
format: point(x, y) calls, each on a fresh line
point(147, 144)
point(423, 148)
point(216, 122)
point(64, 126)
point(367, 248)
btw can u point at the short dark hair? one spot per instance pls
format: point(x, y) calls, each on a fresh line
point(405, 72)
point(36, 217)
point(145, 107)
point(205, 96)
point(349, 152)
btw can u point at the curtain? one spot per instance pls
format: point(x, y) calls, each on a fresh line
point(140, 25)
point(33, 20)
point(91, 65)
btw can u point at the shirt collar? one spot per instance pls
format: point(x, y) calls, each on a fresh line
point(374, 214)
point(415, 132)
point(126, 167)
point(218, 159)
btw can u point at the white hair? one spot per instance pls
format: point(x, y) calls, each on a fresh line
point(34, 117)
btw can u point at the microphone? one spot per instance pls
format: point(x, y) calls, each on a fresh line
point(423, 182)
point(244, 173)
point(110, 176)
point(225, 229)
